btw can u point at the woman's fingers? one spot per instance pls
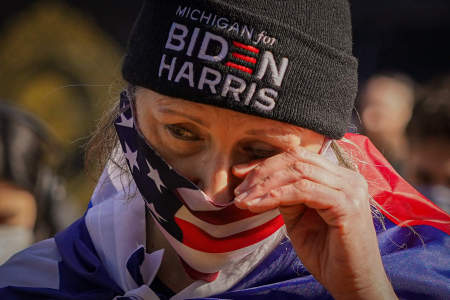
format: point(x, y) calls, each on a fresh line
point(288, 159)
point(304, 191)
point(291, 174)
point(301, 178)
point(332, 205)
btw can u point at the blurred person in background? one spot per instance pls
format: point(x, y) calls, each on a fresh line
point(428, 132)
point(386, 102)
point(31, 195)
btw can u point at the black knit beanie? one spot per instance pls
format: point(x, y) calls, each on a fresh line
point(287, 60)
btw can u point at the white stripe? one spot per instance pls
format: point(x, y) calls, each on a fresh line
point(222, 231)
point(117, 226)
point(113, 181)
point(329, 154)
point(198, 201)
point(211, 262)
point(232, 273)
point(34, 267)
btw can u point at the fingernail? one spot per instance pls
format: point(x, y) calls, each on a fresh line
point(242, 187)
point(244, 167)
point(241, 197)
point(253, 202)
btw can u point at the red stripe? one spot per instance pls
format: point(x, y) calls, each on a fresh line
point(246, 47)
point(198, 239)
point(403, 204)
point(239, 67)
point(197, 275)
point(245, 57)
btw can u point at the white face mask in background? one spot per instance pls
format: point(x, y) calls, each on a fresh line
point(13, 239)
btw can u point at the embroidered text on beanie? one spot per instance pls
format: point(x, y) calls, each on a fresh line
point(287, 60)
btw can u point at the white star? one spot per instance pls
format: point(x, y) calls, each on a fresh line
point(125, 122)
point(154, 175)
point(155, 213)
point(131, 157)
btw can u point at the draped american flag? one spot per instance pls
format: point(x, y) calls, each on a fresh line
point(101, 256)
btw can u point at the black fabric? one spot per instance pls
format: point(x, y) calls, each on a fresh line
point(161, 289)
point(310, 38)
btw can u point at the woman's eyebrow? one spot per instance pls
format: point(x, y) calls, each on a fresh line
point(179, 113)
point(272, 131)
point(283, 136)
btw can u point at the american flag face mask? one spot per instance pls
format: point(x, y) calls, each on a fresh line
point(206, 236)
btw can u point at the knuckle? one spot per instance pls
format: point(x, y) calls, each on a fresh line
point(265, 182)
point(288, 155)
point(261, 186)
point(256, 173)
point(275, 193)
point(361, 184)
point(303, 185)
point(295, 170)
point(341, 198)
point(341, 205)
point(356, 183)
point(357, 205)
point(256, 190)
point(297, 153)
point(258, 170)
point(303, 169)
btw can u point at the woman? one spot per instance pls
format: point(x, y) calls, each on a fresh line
point(232, 132)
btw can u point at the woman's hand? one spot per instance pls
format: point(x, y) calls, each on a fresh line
point(327, 214)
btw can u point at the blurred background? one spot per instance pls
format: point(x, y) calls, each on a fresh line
point(60, 61)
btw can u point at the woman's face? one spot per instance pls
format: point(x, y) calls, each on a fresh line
point(204, 142)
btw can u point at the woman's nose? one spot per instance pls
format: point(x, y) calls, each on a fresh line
point(217, 181)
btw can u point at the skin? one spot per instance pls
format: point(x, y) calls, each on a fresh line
point(17, 206)
point(387, 105)
point(262, 164)
point(387, 108)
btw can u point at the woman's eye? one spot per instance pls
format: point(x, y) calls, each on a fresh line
point(182, 133)
point(257, 153)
